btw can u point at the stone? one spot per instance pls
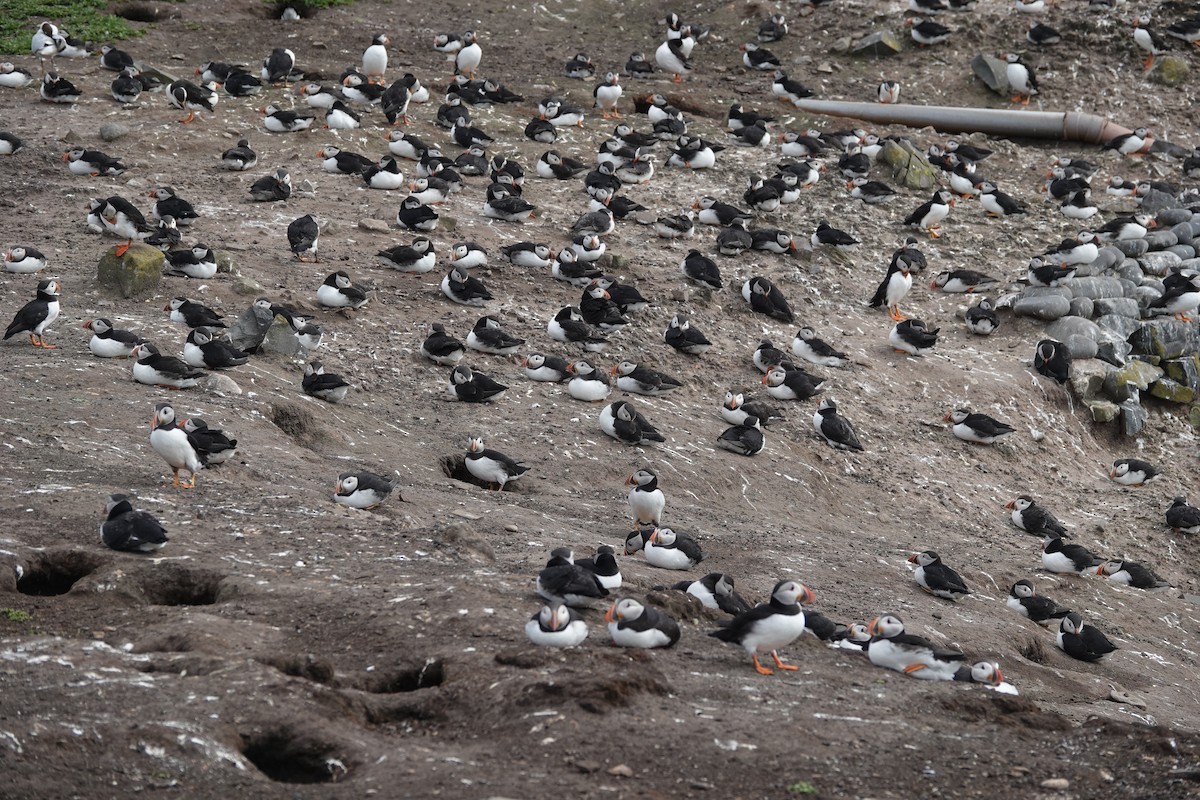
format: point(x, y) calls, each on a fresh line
point(1130, 272)
point(1167, 389)
point(1159, 263)
point(1182, 230)
point(1119, 325)
point(135, 274)
point(247, 286)
point(879, 43)
point(225, 262)
point(1095, 287)
point(448, 223)
point(1082, 307)
point(377, 225)
point(1109, 353)
point(221, 385)
point(248, 330)
point(1166, 338)
point(1103, 411)
point(1161, 240)
point(1133, 418)
point(1132, 247)
point(111, 131)
point(1170, 217)
point(1194, 417)
point(1186, 252)
point(910, 166)
point(992, 71)
point(1121, 306)
point(1108, 257)
point(1190, 263)
point(281, 339)
point(1136, 373)
point(1047, 307)
point(1067, 327)
point(1080, 347)
point(1155, 201)
point(1046, 291)
point(621, 771)
point(1184, 370)
point(1170, 71)
point(1087, 379)
point(1056, 784)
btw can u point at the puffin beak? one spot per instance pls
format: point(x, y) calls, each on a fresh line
point(629, 480)
point(66, 156)
point(613, 370)
point(88, 324)
point(912, 559)
point(808, 597)
point(338, 488)
point(764, 379)
point(611, 614)
point(873, 627)
point(154, 422)
point(1011, 504)
point(849, 184)
point(999, 676)
point(947, 417)
point(553, 622)
point(1100, 570)
point(951, 201)
point(654, 536)
point(1112, 474)
point(321, 153)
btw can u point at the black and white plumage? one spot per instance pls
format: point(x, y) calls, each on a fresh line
point(635, 378)
point(936, 578)
point(1021, 79)
point(1133, 472)
point(835, 429)
point(272, 188)
point(765, 298)
point(631, 624)
point(981, 318)
point(566, 583)
point(684, 337)
point(962, 280)
point(673, 56)
point(363, 490)
point(715, 590)
point(212, 445)
point(701, 269)
point(187, 96)
point(623, 422)
point(488, 337)
point(279, 120)
point(767, 355)
point(1033, 518)
point(787, 89)
point(735, 409)
point(166, 235)
point(1082, 642)
point(277, 66)
point(870, 192)
point(533, 255)
point(669, 549)
point(894, 287)
point(303, 237)
point(167, 203)
point(1024, 599)
point(464, 289)
point(338, 291)
point(913, 337)
point(1129, 143)
point(473, 386)
point(930, 214)
point(14, 77)
point(926, 32)
point(417, 257)
point(646, 500)
point(996, 203)
point(491, 466)
point(544, 368)
point(192, 314)
point(1148, 40)
point(129, 530)
point(745, 438)
point(977, 428)
point(442, 348)
point(568, 326)
point(587, 383)
point(327, 386)
point(58, 90)
point(110, 342)
point(1067, 559)
point(239, 158)
point(1183, 518)
point(892, 648)
point(770, 626)
point(171, 442)
point(1132, 574)
point(37, 315)
point(791, 384)
point(23, 260)
point(556, 625)
point(204, 350)
point(808, 346)
point(92, 162)
point(1053, 359)
point(198, 262)
point(154, 369)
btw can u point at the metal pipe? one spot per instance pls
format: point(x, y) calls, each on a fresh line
point(1069, 125)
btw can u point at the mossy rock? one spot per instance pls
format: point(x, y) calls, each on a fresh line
point(137, 273)
point(909, 166)
point(1170, 71)
point(1103, 411)
point(1167, 389)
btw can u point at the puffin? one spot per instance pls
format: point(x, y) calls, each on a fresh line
point(604, 566)
point(764, 298)
point(1067, 559)
point(607, 93)
point(211, 444)
point(891, 648)
point(757, 57)
point(745, 438)
point(580, 66)
point(92, 162)
point(327, 386)
point(981, 318)
point(1132, 574)
point(271, 188)
point(1032, 518)
point(191, 314)
point(171, 442)
point(1128, 144)
point(544, 368)
point(835, 429)
point(768, 627)
point(556, 625)
point(936, 578)
point(1024, 599)
point(198, 262)
point(362, 490)
point(736, 409)
point(930, 214)
point(567, 267)
point(791, 384)
point(1021, 79)
point(554, 165)
point(464, 289)
point(682, 336)
point(533, 255)
point(701, 269)
point(338, 291)
point(187, 96)
point(121, 218)
point(468, 255)
point(895, 287)
point(336, 161)
point(168, 204)
point(715, 590)
point(24, 260)
point(567, 326)
point(154, 369)
point(986, 672)
point(673, 56)
point(38, 314)
point(669, 549)
point(566, 583)
point(375, 58)
point(128, 530)
point(239, 158)
point(466, 60)
point(1053, 360)
point(58, 90)
point(632, 377)
point(912, 337)
point(473, 386)
point(491, 466)
point(1183, 518)
point(963, 280)
point(646, 500)
point(442, 348)
point(871, 192)
point(303, 236)
point(278, 120)
point(1181, 297)
point(110, 342)
point(277, 67)
point(588, 383)
point(417, 257)
point(204, 350)
point(1133, 472)
point(1082, 642)
point(9, 143)
point(767, 355)
point(631, 624)
point(788, 90)
point(811, 348)
point(772, 29)
point(488, 337)
point(976, 428)
point(888, 92)
point(623, 422)
point(14, 77)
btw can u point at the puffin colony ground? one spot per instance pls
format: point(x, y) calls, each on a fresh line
point(284, 645)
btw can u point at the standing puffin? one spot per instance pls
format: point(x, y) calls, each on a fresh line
point(646, 500)
point(929, 215)
point(187, 96)
point(37, 315)
point(171, 442)
point(129, 530)
point(936, 578)
point(895, 287)
point(492, 466)
point(303, 235)
point(770, 626)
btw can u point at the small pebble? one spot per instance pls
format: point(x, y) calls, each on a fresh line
point(511, 528)
point(1057, 784)
point(621, 770)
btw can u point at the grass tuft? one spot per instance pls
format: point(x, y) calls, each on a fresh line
point(83, 19)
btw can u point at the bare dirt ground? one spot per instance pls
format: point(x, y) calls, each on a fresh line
point(285, 646)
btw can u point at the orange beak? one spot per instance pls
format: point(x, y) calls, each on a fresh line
point(611, 614)
point(1011, 504)
point(66, 155)
point(947, 417)
point(806, 598)
point(912, 559)
point(764, 378)
point(654, 536)
point(613, 371)
point(1100, 570)
point(629, 480)
point(1112, 474)
point(873, 627)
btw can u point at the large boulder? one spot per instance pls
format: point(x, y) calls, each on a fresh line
point(1042, 306)
point(909, 165)
point(135, 274)
point(1166, 338)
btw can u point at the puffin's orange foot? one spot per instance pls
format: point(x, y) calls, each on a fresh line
point(779, 663)
point(122, 248)
point(759, 667)
point(911, 668)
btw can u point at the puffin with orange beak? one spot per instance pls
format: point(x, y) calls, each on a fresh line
point(770, 626)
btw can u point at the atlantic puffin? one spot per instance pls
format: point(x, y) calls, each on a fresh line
point(110, 342)
point(891, 648)
point(835, 429)
point(715, 590)
point(492, 466)
point(1132, 574)
point(1032, 518)
point(768, 627)
point(327, 386)
point(1082, 642)
point(1067, 559)
point(38, 314)
point(976, 428)
point(129, 530)
point(556, 625)
point(1133, 472)
point(623, 422)
point(1024, 599)
point(936, 578)
point(171, 442)
point(1183, 518)
point(632, 624)
point(473, 386)
point(204, 350)
point(363, 490)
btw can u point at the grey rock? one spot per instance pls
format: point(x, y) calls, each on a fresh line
point(1121, 306)
point(135, 274)
point(1159, 263)
point(1046, 291)
point(1119, 325)
point(1132, 247)
point(1169, 217)
point(1184, 370)
point(1082, 307)
point(1087, 378)
point(1161, 240)
point(1186, 252)
point(1147, 293)
point(1103, 410)
point(910, 166)
point(247, 286)
point(1190, 263)
point(1107, 258)
point(1080, 347)
point(1109, 353)
point(225, 262)
point(111, 131)
point(1095, 287)
point(1155, 201)
point(1048, 307)
point(1133, 418)
point(1126, 383)
point(1067, 327)
point(222, 385)
point(1169, 390)
point(879, 43)
point(1130, 271)
point(377, 225)
point(1182, 229)
point(1166, 338)
point(248, 330)
point(281, 339)
point(992, 71)
point(1195, 223)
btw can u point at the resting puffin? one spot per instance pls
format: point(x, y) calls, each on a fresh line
point(1082, 642)
point(492, 466)
point(1024, 599)
point(631, 624)
point(130, 530)
point(891, 648)
point(936, 578)
point(556, 625)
